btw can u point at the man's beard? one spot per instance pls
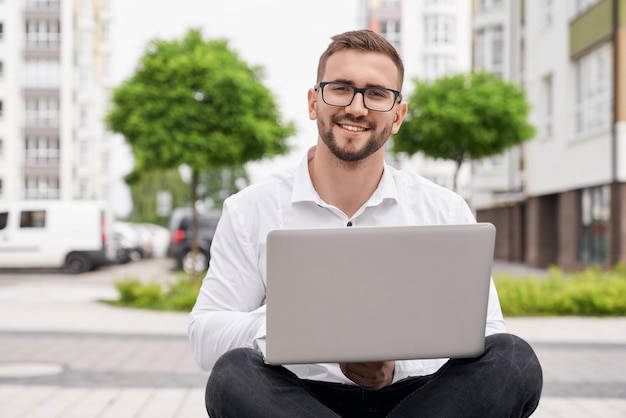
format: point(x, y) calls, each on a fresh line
point(375, 142)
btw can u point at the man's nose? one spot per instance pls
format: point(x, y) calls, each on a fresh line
point(358, 104)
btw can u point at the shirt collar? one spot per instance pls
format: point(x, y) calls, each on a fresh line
point(303, 190)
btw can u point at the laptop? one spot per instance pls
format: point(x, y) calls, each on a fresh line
point(377, 293)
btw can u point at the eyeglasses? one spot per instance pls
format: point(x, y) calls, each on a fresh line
point(378, 99)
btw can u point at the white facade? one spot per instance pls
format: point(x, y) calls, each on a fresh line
point(53, 89)
point(573, 147)
point(434, 39)
point(497, 34)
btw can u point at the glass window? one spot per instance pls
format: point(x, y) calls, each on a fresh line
point(42, 4)
point(43, 33)
point(595, 215)
point(42, 72)
point(42, 111)
point(4, 217)
point(594, 110)
point(438, 65)
point(489, 50)
point(42, 150)
point(489, 4)
point(41, 187)
point(33, 219)
point(548, 111)
point(391, 30)
point(439, 29)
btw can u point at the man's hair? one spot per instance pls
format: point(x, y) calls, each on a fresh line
point(364, 41)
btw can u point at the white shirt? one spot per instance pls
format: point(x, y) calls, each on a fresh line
point(230, 310)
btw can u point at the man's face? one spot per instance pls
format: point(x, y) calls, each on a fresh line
point(353, 133)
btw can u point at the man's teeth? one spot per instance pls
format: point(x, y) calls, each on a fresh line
point(353, 128)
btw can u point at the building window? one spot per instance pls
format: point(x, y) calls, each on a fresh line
point(43, 33)
point(1, 69)
point(42, 73)
point(42, 150)
point(1, 193)
point(1, 31)
point(438, 65)
point(548, 104)
point(594, 110)
point(390, 29)
point(484, 5)
point(42, 111)
point(489, 50)
point(41, 187)
point(595, 215)
point(439, 29)
point(0, 109)
point(42, 4)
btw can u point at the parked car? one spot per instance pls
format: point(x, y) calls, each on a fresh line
point(180, 240)
point(160, 239)
point(128, 241)
point(72, 234)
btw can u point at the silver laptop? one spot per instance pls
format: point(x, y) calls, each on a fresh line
point(377, 293)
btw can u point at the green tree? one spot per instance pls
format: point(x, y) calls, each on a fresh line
point(144, 192)
point(464, 116)
point(196, 102)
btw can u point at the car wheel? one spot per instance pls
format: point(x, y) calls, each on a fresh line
point(78, 263)
point(197, 263)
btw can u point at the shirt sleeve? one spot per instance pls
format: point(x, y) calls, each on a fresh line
point(230, 311)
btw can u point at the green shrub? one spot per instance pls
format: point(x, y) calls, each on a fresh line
point(179, 296)
point(591, 292)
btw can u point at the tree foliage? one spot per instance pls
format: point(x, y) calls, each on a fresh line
point(464, 116)
point(196, 102)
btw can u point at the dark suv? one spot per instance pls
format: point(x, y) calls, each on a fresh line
point(180, 242)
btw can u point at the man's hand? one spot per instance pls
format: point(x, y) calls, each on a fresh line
point(370, 376)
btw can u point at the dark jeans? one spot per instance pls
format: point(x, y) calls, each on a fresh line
point(505, 381)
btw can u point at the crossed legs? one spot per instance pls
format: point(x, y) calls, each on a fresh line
point(505, 381)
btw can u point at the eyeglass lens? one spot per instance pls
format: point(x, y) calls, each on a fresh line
point(374, 98)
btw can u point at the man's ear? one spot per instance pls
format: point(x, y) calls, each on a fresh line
point(399, 117)
point(312, 98)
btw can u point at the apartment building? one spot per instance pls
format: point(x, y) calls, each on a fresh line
point(434, 39)
point(497, 193)
point(574, 171)
point(53, 97)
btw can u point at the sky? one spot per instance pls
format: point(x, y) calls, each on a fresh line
point(285, 37)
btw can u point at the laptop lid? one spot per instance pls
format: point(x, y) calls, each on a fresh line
point(377, 293)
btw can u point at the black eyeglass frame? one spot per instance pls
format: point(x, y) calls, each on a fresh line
point(396, 94)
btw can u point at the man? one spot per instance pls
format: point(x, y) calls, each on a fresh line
point(344, 181)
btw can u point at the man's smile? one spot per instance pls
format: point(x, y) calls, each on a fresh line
point(353, 128)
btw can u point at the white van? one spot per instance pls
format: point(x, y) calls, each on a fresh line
point(55, 234)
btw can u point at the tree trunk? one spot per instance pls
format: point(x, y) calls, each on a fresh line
point(458, 162)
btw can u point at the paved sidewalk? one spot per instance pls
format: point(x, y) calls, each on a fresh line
point(65, 355)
